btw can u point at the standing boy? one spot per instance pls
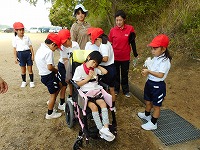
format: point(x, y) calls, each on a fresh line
point(44, 59)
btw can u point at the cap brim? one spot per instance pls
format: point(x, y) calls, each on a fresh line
point(153, 45)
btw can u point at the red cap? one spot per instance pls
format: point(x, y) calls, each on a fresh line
point(18, 25)
point(96, 32)
point(54, 38)
point(160, 40)
point(64, 35)
point(89, 31)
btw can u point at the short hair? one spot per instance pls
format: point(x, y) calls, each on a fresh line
point(96, 56)
point(120, 13)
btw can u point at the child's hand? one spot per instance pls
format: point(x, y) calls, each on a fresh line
point(16, 61)
point(91, 74)
point(145, 72)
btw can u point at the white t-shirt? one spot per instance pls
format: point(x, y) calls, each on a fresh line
point(159, 64)
point(80, 74)
point(90, 46)
point(107, 50)
point(21, 44)
point(65, 52)
point(43, 57)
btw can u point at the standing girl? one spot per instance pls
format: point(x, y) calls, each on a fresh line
point(122, 38)
point(23, 53)
point(79, 28)
point(105, 48)
point(155, 87)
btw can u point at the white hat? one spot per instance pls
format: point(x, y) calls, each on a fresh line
point(82, 7)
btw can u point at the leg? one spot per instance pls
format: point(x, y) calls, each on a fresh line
point(95, 115)
point(124, 76)
point(117, 78)
point(62, 92)
point(23, 73)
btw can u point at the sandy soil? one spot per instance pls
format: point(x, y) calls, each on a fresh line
point(22, 112)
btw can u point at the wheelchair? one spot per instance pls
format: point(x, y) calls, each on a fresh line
point(77, 110)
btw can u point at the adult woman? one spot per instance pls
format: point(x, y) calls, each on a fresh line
point(122, 37)
point(79, 28)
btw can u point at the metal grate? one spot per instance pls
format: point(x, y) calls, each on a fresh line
point(173, 129)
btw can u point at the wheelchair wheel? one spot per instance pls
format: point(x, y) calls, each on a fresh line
point(69, 114)
point(78, 143)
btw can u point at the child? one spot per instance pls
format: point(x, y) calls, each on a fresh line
point(105, 48)
point(86, 77)
point(23, 53)
point(45, 64)
point(155, 87)
point(66, 49)
point(89, 45)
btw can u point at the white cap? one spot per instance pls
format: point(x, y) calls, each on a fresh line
point(82, 7)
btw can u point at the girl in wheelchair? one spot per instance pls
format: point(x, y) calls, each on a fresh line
point(86, 77)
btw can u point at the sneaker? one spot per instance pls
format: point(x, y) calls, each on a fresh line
point(70, 99)
point(23, 84)
point(106, 132)
point(32, 85)
point(127, 95)
point(107, 138)
point(113, 109)
point(53, 115)
point(61, 107)
point(149, 126)
point(143, 116)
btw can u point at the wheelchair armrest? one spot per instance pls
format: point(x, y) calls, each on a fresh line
point(104, 85)
point(74, 84)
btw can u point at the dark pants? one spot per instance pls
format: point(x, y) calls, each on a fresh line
point(122, 68)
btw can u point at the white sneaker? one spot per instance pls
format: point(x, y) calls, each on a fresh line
point(70, 99)
point(149, 126)
point(53, 115)
point(23, 84)
point(61, 107)
point(32, 85)
point(107, 138)
point(106, 132)
point(143, 116)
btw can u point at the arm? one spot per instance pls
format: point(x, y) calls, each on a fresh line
point(145, 72)
point(105, 59)
point(15, 55)
point(82, 82)
point(52, 68)
point(32, 52)
point(3, 86)
point(103, 70)
point(73, 33)
point(133, 44)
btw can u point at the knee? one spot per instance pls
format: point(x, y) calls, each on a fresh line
point(93, 107)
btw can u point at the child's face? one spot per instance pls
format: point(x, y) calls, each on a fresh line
point(68, 43)
point(80, 16)
point(157, 51)
point(119, 21)
point(20, 32)
point(91, 64)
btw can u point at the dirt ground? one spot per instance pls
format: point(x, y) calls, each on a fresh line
point(22, 110)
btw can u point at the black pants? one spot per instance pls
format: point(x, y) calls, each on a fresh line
point(122, 68)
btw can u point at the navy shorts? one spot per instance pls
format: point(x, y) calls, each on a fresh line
point(62, 73)
point(155, 92)
point(51, 82)
point(25, 57)
point(109, 78)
